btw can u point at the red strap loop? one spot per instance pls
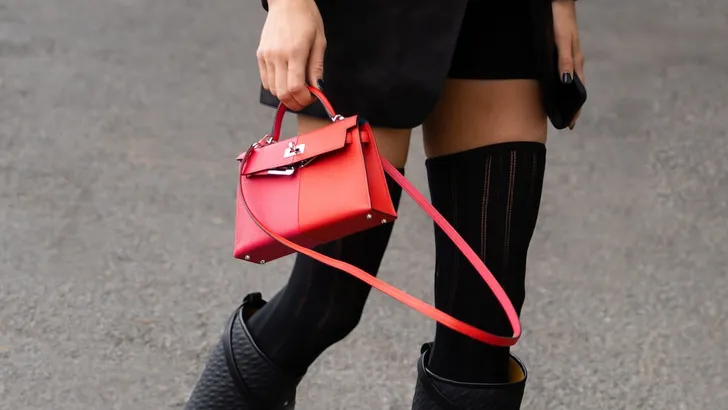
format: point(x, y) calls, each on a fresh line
point(281, 112)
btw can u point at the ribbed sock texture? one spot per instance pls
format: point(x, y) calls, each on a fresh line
point(491, 196)
point(320, 305)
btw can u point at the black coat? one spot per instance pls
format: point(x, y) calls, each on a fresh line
point(387, 60)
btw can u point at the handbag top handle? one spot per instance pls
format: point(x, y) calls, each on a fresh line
point(275, 133)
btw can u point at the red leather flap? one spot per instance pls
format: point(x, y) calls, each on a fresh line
point(306, 146)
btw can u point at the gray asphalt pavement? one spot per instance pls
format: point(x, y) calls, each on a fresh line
point(120, 121)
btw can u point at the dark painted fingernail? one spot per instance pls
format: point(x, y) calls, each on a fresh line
point(566, 78)
point(320, 83)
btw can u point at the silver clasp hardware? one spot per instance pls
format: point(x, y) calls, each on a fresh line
point(284, 171)
point(293, 150)
point(263, 142)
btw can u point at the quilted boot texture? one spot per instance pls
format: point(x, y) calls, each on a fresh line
point(238, 376)
point(436, 393)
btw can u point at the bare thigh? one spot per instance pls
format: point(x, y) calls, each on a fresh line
point(393, 144)
point(475, 113)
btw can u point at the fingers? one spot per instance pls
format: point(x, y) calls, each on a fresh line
point(579, 69)
point(281, 87)
point(299, 95)
point(566, 34)
point(285, 72)
point(578, 59)
point(272, 77)
point(315, 69)
point(267, 68)
point(263, 69)
point(566, 58)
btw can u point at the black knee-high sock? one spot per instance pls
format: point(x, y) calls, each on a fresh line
point(320, 305)
point(491, 195)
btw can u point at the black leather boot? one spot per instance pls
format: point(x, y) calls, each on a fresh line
point(436, 393)
point(238, 376)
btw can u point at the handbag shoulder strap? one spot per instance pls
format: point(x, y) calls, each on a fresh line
point(403, 297)
point(474, 260)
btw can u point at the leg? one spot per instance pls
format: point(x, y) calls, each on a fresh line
point(270, 345)
point(485, 147)
point(486, 154)
point(499, 175)
point(485, 144)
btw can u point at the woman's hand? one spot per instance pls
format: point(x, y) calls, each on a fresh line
point(291, 51)
point(566, 34)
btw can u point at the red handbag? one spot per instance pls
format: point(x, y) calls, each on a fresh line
point(328, 184)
